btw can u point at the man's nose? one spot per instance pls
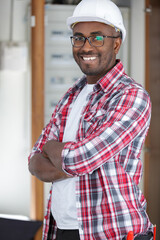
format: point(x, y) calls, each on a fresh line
point(87, 44)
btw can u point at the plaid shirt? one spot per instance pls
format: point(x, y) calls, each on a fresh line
point(105, 156)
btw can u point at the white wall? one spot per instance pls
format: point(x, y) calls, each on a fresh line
point(137, 54)
point(137, 51)
point(14, 117)
point(14, 142)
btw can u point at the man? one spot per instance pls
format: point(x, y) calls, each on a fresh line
point(91, 148)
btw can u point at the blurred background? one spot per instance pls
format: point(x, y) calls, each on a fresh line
point(26, 87)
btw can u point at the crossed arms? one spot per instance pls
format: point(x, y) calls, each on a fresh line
point(127, 116)
point(47, 166)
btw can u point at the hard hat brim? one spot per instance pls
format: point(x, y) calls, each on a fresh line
point(72, 20)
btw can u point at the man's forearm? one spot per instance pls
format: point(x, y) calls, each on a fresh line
point(53, 150)
point(41, 167)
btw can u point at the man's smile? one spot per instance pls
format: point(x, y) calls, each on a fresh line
point(89, 58)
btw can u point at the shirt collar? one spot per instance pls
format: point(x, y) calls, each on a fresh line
point(108, 81)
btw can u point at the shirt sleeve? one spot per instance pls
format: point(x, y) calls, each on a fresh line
point(127, 116)
point(49, 132)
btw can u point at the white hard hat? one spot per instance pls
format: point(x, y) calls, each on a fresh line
point(104, 11)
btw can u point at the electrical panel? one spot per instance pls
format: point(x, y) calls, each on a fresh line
point(61, 71)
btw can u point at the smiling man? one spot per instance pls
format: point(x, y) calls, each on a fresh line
point(91, 148)
point(95, 46)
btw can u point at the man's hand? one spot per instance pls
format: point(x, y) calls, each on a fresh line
point(41, 167)
point(53, 150)
point(47, 166)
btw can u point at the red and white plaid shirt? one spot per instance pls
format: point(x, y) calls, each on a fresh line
point(105, 156)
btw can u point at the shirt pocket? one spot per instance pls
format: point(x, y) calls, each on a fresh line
point(93, 120)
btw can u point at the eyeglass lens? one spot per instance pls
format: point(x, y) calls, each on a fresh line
point(95, 41)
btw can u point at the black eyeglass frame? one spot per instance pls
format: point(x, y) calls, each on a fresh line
point(88, 38)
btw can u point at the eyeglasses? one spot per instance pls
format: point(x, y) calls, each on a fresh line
point(95, 41)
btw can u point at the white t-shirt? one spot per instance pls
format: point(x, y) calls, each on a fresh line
point(63, 205)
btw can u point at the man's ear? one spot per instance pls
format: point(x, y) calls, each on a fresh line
point(117, 45)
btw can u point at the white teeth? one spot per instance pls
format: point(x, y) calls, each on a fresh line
point(89, 58)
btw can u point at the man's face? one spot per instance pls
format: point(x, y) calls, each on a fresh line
point(95, 62)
